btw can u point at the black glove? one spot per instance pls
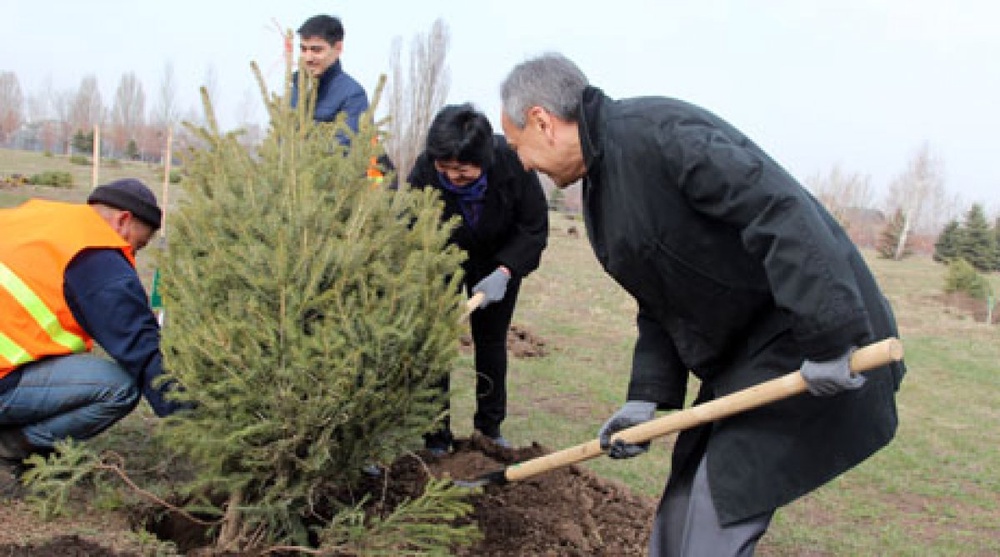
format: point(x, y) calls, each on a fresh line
point(634, 412)
point(832, 376)
point(494, 286)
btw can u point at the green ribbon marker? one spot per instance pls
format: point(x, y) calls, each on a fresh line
point(155, 300)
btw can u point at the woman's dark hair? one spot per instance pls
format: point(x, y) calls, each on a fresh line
point(461, 133)
point(326, 27)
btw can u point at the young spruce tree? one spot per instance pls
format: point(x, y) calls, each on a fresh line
point(946, 247)
point(977, 244)
point(308, 314)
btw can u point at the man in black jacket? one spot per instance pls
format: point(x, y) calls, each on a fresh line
point(740, 276)
point(503, 229)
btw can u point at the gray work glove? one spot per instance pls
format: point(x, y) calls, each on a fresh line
point(832, 376)
point(634, 412)
point(494, 286)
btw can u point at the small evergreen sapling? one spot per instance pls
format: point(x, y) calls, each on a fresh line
point(310, 315)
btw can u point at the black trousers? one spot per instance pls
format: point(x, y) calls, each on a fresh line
point(489, 338)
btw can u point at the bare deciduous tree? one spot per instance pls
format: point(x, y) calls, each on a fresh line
point(246, 118)
point(849, 198)
point(87, 108)
point(842, 193)
point(919, 194)
point(416, 94)
point(128, 112)
point(48, 130)
point(163, 117)
point(11, 106)
point(165, 113)
point(38, 105)
point(61, 102)
point(183, 136)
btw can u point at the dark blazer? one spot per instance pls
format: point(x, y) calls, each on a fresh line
point(513, 227)
point(739, 275)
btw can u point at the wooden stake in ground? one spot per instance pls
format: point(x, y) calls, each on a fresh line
point(166, 181)
point(97, 157)
point(155, 299)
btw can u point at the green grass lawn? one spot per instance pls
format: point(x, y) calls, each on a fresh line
point(934, 491)
point(28, 163)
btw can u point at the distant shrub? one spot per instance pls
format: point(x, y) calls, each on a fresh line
point(962, 277)
point(59, 179)
point(176, 174)
point(13, 181)
point(80, 160)
point(47, 153)
point(111, 163)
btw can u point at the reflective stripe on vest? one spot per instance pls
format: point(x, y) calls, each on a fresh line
point(12, 352)
point(43, 316)
point(38, 241)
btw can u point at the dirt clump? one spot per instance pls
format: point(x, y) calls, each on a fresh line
point(521, 343)
point(565, 512)
point(62, 546)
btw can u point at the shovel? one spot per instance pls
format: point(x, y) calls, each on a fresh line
point(472, 304)
point(864, 359)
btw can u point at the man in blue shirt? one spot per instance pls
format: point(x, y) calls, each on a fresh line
point(321, 41)
point(79, 395)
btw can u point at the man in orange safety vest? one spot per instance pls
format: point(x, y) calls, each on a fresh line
point(68, 279)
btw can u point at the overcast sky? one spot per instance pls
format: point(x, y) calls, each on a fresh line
point(857, 83)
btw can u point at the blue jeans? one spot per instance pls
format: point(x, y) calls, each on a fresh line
point(76, 396)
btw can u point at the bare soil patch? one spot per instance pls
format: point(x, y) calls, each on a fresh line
point(521, 343)
point(569, 511)
point(65, 546)
point(965, 305)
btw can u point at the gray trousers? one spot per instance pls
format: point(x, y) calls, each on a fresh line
point(686, 524)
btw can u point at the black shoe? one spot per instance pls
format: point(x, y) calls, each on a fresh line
point(438, 443)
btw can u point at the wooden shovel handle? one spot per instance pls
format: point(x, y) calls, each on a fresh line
point(867, 358)
point(472, 304)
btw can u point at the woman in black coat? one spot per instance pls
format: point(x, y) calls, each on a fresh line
point(504, 228)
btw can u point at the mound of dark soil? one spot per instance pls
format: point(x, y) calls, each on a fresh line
point(63, 546)
point(568, 511)
point(521, 343)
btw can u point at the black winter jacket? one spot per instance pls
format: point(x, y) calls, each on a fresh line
point(513, 227)
point(739, 275)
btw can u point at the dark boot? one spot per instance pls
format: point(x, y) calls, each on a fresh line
point(14, 446)
point(438, 442)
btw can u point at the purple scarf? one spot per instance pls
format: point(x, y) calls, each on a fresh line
point(471, 198)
